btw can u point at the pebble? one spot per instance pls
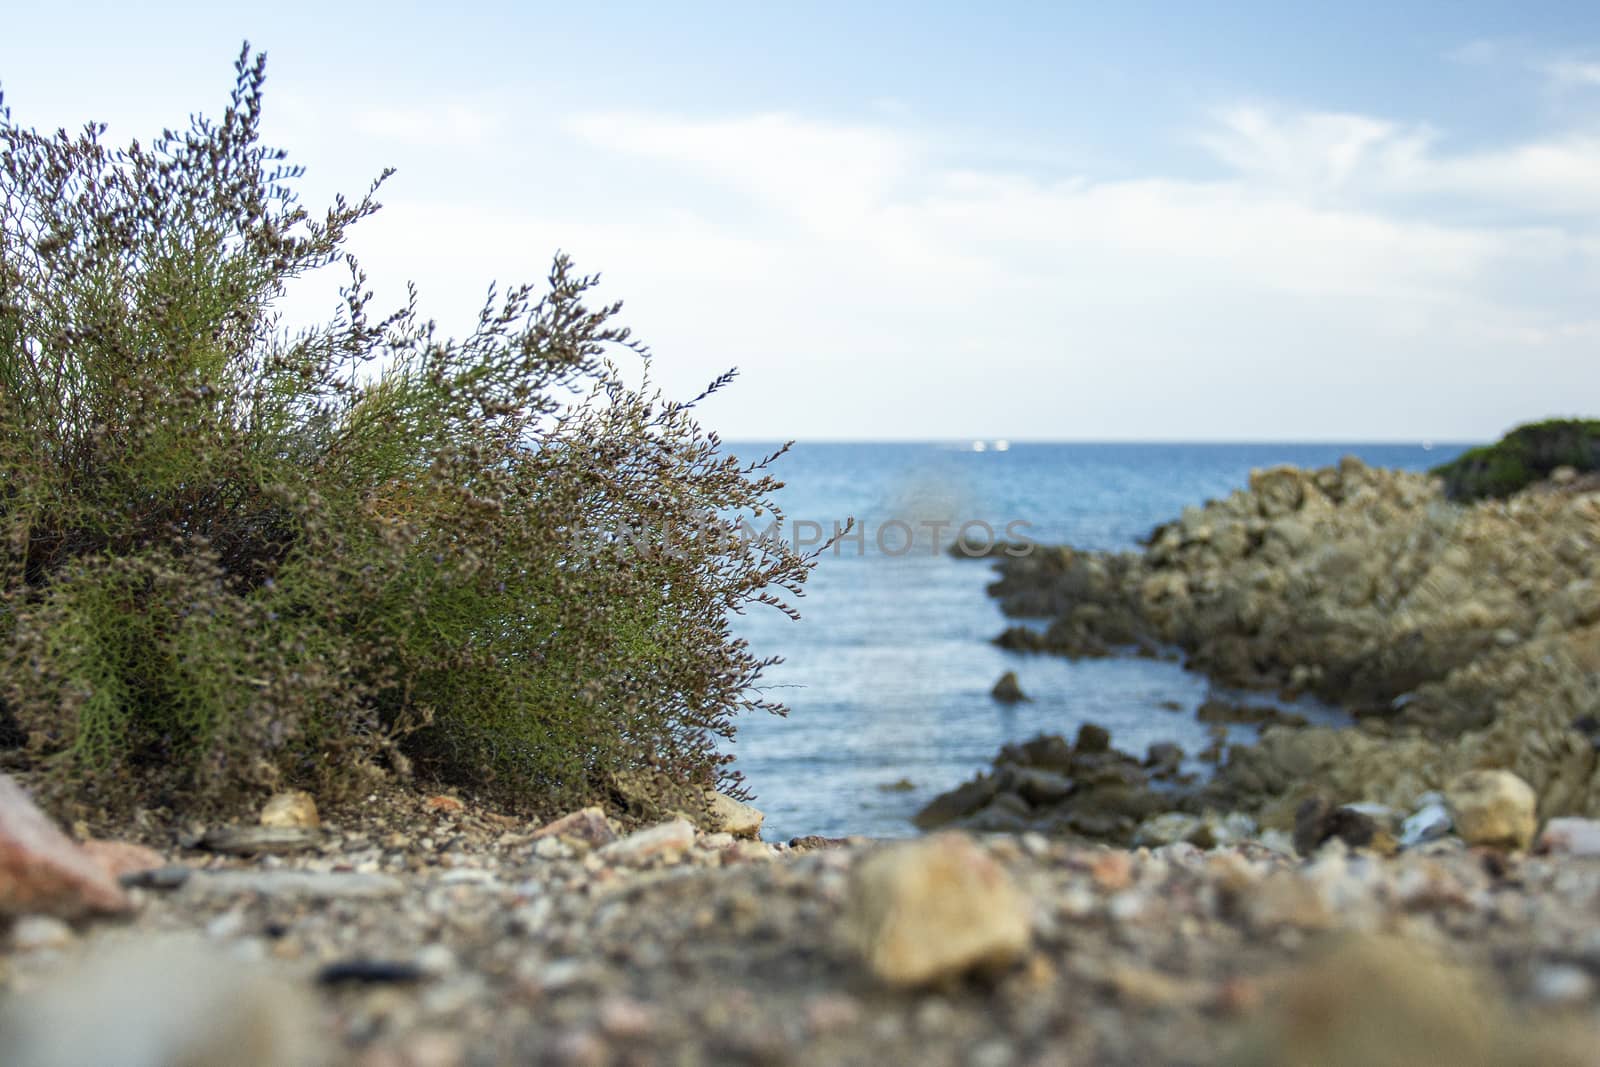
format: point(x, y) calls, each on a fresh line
point(1428, 823)
point(370, 972)
point(733, 816)
point(445, 805)
point(1493, 808)
point(295, 809)
point(436, 960)
point(826, 1013)
point(933, 909)
point(1569, 836)
point(1562, 983)
point(227, 925)
point(625, 1018)
point(260, 840)
point(33, 933)
point(292, 883)
point(162, 878)
point(552, 848)
point(1112, 870)
point(666, 839)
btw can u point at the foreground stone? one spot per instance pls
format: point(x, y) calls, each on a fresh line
point(489, 953)
point(1493, 808)
point(42, 870)
point(935, 909)
point(1381, 1001)
point(159, 1001)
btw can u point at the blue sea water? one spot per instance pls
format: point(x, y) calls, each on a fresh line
point(887, 674)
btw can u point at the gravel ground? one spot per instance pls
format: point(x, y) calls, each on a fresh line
point(426, 937)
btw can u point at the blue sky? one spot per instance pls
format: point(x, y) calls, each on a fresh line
point(1049, 221)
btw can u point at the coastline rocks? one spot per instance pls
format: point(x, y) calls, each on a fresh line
point(42, 871)
point(1008, 690)
point(1084, 789)
point(935, 909)
point(1220, 711)
point(1493, 808)
point(1316, 823)
point(1279, 576)
point(1459, 636)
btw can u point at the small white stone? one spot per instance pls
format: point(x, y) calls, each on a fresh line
point(1429, 823)
point(32, 933)
point(552, 848)
point(436, 960)
point(1562, 983)
point(228, 924)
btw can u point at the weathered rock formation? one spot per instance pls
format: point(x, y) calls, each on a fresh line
point(1462, 636)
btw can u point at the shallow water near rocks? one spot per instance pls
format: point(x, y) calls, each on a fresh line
point(888, 673)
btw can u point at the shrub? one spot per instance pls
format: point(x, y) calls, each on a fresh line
point(1522, 457)
point(237, 557)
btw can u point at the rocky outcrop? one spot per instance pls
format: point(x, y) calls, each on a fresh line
point(1558, 449)
point(1083, 789)
point(1461, 637)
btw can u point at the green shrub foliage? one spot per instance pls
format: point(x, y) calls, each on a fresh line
point(238, 557)
point(1525, 455)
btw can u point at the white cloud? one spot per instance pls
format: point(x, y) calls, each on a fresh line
point(1572, 73)
point(446, 125)
point(866, 286)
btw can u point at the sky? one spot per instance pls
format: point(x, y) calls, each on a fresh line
point(1064, 221)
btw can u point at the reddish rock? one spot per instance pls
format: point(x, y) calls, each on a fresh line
point(123, 857)
point(443, 804)
point(42, 871)
point(1112, 871)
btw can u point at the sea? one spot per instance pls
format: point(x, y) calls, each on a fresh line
point(887, 674)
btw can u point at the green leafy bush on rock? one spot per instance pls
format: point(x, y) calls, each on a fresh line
point(1525, 455)
point(236, 558)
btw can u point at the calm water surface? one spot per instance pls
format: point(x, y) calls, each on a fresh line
point(887, 674)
